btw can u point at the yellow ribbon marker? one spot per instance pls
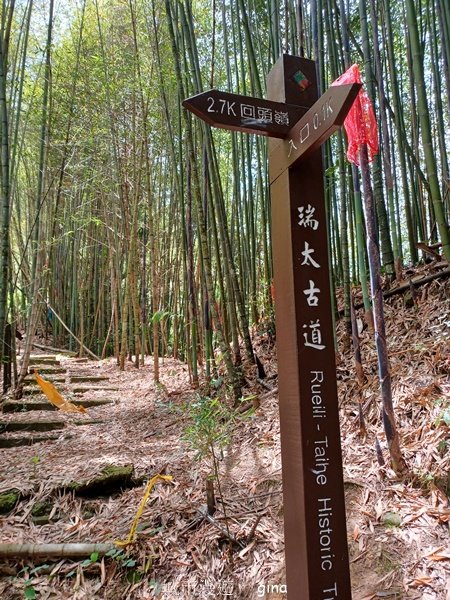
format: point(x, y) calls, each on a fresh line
point(132, 535)
point(55, 397)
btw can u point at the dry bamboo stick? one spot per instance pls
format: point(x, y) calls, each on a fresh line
point(51, 349)
point(203, 513)
point(72, 333)
point(406, 286)
point(55, 550)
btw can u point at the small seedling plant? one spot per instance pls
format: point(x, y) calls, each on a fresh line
point(210, 429)
point(29, 591)
point(209, 433)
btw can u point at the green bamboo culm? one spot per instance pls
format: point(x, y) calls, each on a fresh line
point(5, 199)
point(425, 128)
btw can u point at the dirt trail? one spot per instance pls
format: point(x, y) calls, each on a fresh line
point(398, 530)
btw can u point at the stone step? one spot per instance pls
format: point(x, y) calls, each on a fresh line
point(15, 441)
point(41, 403)
point(8, 426)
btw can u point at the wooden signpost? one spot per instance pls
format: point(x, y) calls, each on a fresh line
point(317, 566)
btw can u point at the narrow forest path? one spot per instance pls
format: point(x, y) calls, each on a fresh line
point(398, 530)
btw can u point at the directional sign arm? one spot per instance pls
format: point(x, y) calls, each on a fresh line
point(317, 125)
point(244, 113)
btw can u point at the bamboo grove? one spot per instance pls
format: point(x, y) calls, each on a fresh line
point(129, 229)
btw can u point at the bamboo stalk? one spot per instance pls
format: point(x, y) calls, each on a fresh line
point(54, 550)
point(398, 462)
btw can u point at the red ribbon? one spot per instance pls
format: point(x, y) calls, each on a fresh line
point(360, 123)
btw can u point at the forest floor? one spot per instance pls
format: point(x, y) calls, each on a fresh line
point(398, 530)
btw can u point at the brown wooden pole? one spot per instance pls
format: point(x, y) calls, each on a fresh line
point(317, 566)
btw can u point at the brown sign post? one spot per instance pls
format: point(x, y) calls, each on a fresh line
point(314, 508)
point(317, 566)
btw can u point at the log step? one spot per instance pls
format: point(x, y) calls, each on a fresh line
point(43, 404)
point(87, 378)
point(84, 389)
point(44, 360)
point(28, 440)
point(36, 391)
point(30, 380)
point(8, 426)
point(46, 369)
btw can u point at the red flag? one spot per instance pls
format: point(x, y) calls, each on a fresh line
point(360, 124)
